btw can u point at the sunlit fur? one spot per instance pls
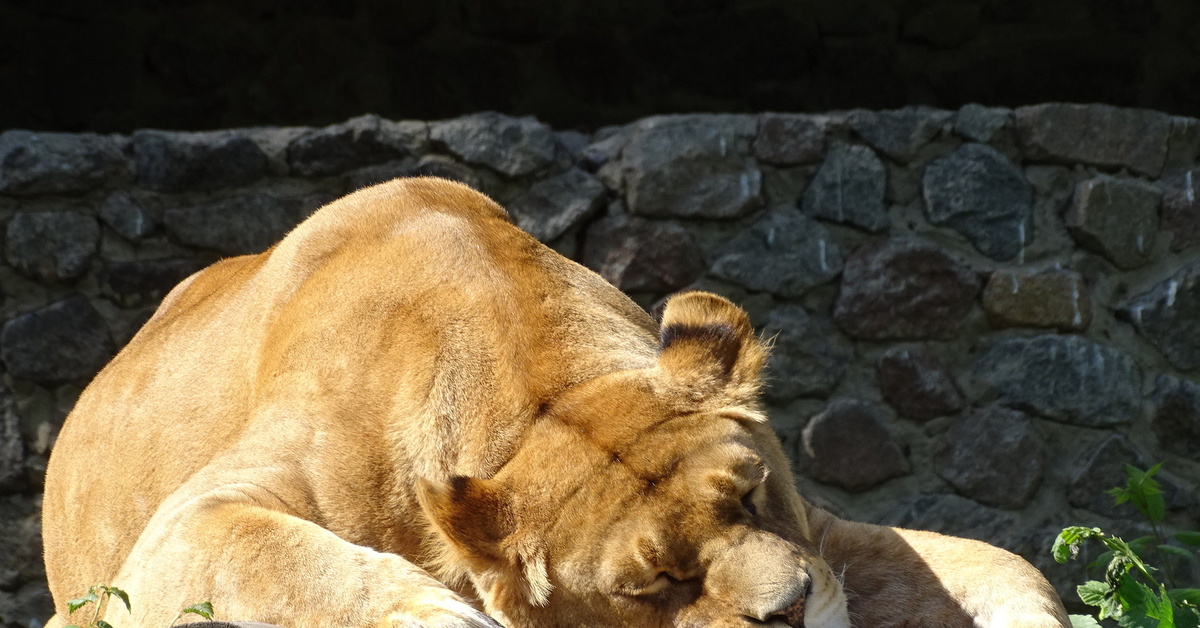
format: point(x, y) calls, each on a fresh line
point(409, 413)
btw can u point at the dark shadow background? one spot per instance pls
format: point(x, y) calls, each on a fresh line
point(117, 65)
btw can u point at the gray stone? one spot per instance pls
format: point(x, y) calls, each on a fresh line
point(638, 255)
point(512, 146)
point(1100, 467)
point(1065, 378)
point(789, 139)
point(978, 192)
point(12, 446)
point(904, 288)
point(784, 252)
point(379, 173)
point(58, 163)
point(1168, 315)
point(124, 215)
point(446, 168)
point(1117, 218)
point(1025, 297)
point(148, 280)
point(694, 166)
point(21, 547)
point(239, 225)
point(551, 207)
point(850, 445)
point(808, 355)
point(982, 124)
point(1181, 210)
point(994, 456)
point(849, 188)
point(170, 161)
point(1183, 147)
point(1176, 418)
point(355, 143)
point(900, 133)
point(65, 342)
point(1099, 135)
point(604, 149)
point(27, 607)
point(52, 246)
point(914, 382)
point(958, 516)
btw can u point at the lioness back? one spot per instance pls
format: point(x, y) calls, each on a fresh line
point(292, 348)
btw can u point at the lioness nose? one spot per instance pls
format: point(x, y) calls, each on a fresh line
point(790, 612)
point(791, 615)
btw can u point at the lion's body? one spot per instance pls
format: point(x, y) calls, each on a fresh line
point(261, 441)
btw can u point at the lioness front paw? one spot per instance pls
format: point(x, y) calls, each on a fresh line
point(443, 613)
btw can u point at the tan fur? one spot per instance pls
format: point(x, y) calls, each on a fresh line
point(408, 404)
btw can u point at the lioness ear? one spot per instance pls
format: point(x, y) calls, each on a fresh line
point(471, 514)
point(708, 343)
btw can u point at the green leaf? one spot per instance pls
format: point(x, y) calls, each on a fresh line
point(203, 609)
point(123, 595)
point(1084, 621)
point(1188, 538)
point(100, 623)
point(80, 602)
point(1190, 596)
point(1066, 546)
point(1093, 592)
point(1178, 551)
point(71, 626)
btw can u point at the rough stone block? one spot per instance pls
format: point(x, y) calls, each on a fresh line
point(239, 225)
point(994, 455)
point(1024, 297)
point(12, 446)
point(785, 253)
point(65, 342)
point(355, 143)
point(170, 161)
point(1176, 418)
point(1168, 315)
point(849, 188)
point(1117, 218)
point(551, 207)
point(900, 133)
point(1100, 135)
point(914, 382)
point(638, 255)
point(1065, 378)
point(52, 246)
point(124, 215)
point(789, 139)
point(851, 446)
point(148, 279)
point(695, 166)
point(982, 124)
point(978, 192)
point(511, 146)
point(808, 354)
point(58, 163)
point(904, 288)
point(1101, 466)
point(1181, 210)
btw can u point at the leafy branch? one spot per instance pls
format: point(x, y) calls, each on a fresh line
point(1131, 592)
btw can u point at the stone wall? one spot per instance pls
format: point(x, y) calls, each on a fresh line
point(979, 316)
point(120, 65)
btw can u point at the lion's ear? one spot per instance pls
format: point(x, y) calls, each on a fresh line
point(708, 343)
point(473, 515)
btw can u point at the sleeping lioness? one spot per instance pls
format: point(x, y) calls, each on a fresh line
point(411, 413)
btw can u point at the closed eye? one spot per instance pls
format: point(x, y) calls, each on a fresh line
point(748, 504)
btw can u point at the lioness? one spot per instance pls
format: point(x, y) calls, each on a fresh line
point(411, 413)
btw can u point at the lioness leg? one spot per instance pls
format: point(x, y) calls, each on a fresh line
point(235, 546)
point(905, 578)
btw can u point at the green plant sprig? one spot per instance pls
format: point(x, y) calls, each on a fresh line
point(1131, 592)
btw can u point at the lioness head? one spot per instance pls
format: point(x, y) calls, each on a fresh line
point(647, 498)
